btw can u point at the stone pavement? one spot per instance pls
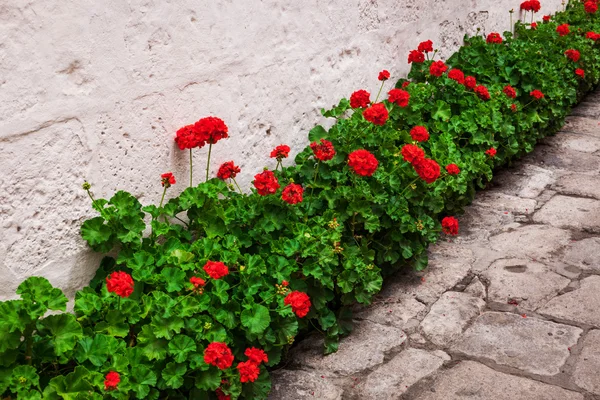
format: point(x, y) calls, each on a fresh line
point(507, 310)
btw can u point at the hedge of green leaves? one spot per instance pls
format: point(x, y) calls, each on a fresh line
point(336, 245)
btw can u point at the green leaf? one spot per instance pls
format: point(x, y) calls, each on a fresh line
point(443, 111)
point(174, 278)
point(208, 380)
point(152, 347)
point(256, 319)
point(74, 386)
point(141, 379)
point(87, 303)
point(97, 349)
point(180, 347)
point(317, 133)
point(173, 375)
point(95, 232)
point(12, 316)
point(63, 330)
point(38, 289)
point(24, 377)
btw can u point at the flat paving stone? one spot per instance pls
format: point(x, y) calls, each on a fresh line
point(449, 316)
point(530, 284)
point(504, 202)
point(396, 314)
point(579, 185)
point(567, 159)
point(570, 212)
point(470, 380)
point(476, 288)
point(579, 306)
point(529, 344)
point(526, 181)
point(587, 109)
point(588, 364)
point(584, 254)
point(395, 377)
point(300, 385)
point(530, 241)
point(578, 124)
point(364, 348)
point(574, 141)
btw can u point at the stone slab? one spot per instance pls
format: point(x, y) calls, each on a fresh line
point(588, 364)
point(579, 185)
point(580, 306)
point(578, 124)
point(570, 212)
point(449, 316)
point(504, 202)
point(529, 344)
point(525, 180)
point(476, 288)
point(395, 377)
point(530, 241)
point(300, 385)
point(364, 348)
point(530, 284)
point(396, 314)
point(470, 380)
point(587, 109)
point(566, 159)
point(584, 254)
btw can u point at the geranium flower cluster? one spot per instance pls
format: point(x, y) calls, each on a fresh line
point(427, 169)
point(206, 130)
point(418, 56)
point(531, 5)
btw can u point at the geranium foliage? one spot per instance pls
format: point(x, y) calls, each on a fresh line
point(203, 294)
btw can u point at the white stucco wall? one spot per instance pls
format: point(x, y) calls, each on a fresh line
point(96, 90)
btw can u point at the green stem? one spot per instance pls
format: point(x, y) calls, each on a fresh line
point(380, 89)
point(186, 224)
point(208, 161)
point(163, 197)
point(28, 334)
point(511, 24)
point(191, 169)
point(236, 184)
point(312, 189)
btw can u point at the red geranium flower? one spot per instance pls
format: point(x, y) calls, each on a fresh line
point(450, 225)
point(360, 99)
point(323, 151)
point(531, 5)
point(427, 169)
point(265, 183)
point(285, 283)
point(419, 133)
point(437, 68)
point(120, 283)
point(510, 91)
point(211, 129)
point(384, 75)
point(580, 72)
point(573, 55)
point(513, 107)
point(188, 138)
point(590, 7)
point(494, 38)
point(197, 282)
point(399, 97)
point(256, 355)
point(592, 35)
point(216, 269)
point(534, 25)
point(536, 94)
point(470, 82)
point(412, 153)
point(362, 162)
point(546, 18)
point(563, 29)
point(377, 114)
point(300, 303)
point(415, 56)
point(491, 152)
point(292, 193)
point(457, 75)
point(405, 84)
point(167, 179)
point(228, 170)
point(281, 151)
point(482, 92)
point(426, 46)
point(249, 371)
point(221, 395)
point(452, 169)
point(111, 380)
point(219, 355)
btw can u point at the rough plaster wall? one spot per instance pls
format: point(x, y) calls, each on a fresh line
point(96, 90)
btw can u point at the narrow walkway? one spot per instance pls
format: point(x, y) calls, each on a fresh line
point(507, 310)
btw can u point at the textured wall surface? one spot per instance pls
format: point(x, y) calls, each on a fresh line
point(96, 90)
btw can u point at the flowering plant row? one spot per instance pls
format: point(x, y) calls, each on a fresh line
point(211, 299)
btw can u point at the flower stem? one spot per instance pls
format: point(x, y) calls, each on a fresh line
point(208, 161)
point(380, 89)
point(163, 197)
point(191, 169)
point(312, 189)
point(236, 184)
